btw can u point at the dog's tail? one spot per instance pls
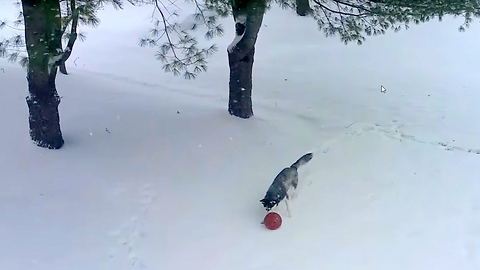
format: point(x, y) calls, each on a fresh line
point(303, 160)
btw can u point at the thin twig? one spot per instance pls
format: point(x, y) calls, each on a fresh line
point(351, 124)
point(338, 12)
point(341, 19)
point(18, 29)
point(201, 12)
point(352, 5)
point(165, 8)
point(166, 31)
point(173, 4)
point(326, 16)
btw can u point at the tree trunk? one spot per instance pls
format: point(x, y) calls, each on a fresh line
point(240, 98)
point(43, 40)
point(303, 7)
point(72, 39)
point(248, 15)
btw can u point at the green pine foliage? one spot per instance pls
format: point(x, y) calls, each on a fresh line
point(181, 53)
point(177, 47)
point(352, 20)
point(14, 49)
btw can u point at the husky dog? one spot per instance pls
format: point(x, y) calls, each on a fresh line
point(283, 183)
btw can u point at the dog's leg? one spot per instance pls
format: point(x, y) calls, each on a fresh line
point(295, 185)
point(288, 209)
point(295, 181)
point(293, 193)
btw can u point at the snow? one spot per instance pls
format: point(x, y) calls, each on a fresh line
point(155, 174)
point(241, 19)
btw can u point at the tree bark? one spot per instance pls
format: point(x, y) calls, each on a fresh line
point(303, 7)
point(72, 38)
point(43, 40)
point(240, 97)
point(248, 15)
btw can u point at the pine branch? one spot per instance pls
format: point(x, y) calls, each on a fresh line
point(341, 19)
point(201, 11)
point(352, 5)
point(166, 31)
point(73, 34)
point(338, 12)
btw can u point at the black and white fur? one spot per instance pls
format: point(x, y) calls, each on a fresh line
point(285, 181)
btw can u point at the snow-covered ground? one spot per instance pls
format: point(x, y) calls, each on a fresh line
point(155, 174)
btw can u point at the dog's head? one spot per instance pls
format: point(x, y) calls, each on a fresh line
point(269, 203)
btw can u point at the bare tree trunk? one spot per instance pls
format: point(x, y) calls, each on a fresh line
point(43, 40)
point(240, 98)
point(248, 15)
point(303, 7)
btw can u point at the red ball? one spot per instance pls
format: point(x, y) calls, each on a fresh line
point(272, 221)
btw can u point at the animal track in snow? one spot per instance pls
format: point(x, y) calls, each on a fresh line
point(129, 234)
point(325, 147)
point(394, 132)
